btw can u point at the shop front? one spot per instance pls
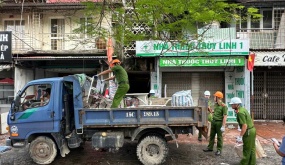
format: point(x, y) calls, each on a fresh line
point(268, 95)
point(217, 70)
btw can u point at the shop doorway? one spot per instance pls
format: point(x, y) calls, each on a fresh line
point(197, 82)
point(268, 94)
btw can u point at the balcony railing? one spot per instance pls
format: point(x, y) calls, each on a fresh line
point(258, 38)
point(263, 38)
point(56, 43)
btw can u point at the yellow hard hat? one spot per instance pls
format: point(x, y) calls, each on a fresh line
point(219, 94)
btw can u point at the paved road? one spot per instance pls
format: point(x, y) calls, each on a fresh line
point(186, 154)
point(189, 151)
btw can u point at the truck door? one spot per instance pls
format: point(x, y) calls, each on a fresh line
point(34, 111)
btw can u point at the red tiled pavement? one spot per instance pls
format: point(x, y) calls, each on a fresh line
point(265, 131)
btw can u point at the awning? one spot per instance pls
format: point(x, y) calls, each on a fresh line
point(44, 58)
point(269, 58)
point(7, 81)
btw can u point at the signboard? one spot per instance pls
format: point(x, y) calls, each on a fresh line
point(201, 61)
point(270, 58)
point(5, 46)
point(193, 48)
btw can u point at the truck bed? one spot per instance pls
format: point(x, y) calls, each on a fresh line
point(133, 117)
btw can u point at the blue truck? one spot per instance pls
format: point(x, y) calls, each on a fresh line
point(60, 122)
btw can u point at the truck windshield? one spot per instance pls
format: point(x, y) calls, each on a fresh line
point(35, 96)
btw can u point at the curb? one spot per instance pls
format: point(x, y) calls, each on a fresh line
point(269, 121)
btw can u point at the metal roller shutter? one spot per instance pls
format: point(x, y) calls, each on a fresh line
point(197, 82)
point(258, 100)
point(269, 95)
point(175, 82)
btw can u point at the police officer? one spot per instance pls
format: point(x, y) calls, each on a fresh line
point(122, 78)
point(210, 116)
point(247, 134)
point(218, 123)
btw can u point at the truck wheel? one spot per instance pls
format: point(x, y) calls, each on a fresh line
point(43, 150)
point(152, 150)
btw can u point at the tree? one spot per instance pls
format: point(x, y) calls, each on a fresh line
point(169, 20)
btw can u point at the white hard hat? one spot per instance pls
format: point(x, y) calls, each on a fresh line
point(235, 100)
point(152, 91)
point(207, 93)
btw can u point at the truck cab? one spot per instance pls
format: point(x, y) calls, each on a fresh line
point(40, 109)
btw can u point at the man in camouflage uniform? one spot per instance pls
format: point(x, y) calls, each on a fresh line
point(218, 123)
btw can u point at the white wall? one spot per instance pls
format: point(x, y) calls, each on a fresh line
point(37, 30)
point(3, 123)
point(22, 77)
point(237, 84)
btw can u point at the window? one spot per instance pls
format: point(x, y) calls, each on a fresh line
point(35, 96)
point(86, 26)
point(266, 22)
point(267, 19)
point(57, 34)
point(277, 17)
point(17, 28)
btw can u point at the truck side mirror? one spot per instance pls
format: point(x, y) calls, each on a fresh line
point(15, 104)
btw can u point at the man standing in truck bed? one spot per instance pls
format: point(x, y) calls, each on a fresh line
point(122, 78)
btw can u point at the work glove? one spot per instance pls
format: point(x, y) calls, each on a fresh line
point(239, 139)
point(223, 129)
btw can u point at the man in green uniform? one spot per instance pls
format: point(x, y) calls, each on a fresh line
point(121, 77)
point(218, 123)
point(206, 99)
point(247, 134)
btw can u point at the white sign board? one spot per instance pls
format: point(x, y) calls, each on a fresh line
point(269, 58)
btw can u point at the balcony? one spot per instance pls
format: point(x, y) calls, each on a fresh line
point(258, 38)
point(51, 43)
point(263, 38)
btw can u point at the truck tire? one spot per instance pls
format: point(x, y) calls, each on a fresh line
point(152, 150)
point(43, 150)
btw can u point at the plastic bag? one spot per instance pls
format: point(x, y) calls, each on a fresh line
point(100, 86)
point(182, 98)
point(112, 88)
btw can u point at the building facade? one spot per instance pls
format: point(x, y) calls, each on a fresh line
point(267, 41)
point(218, 65)
point(47, 42)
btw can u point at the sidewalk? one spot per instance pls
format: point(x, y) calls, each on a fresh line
point(265, 130)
